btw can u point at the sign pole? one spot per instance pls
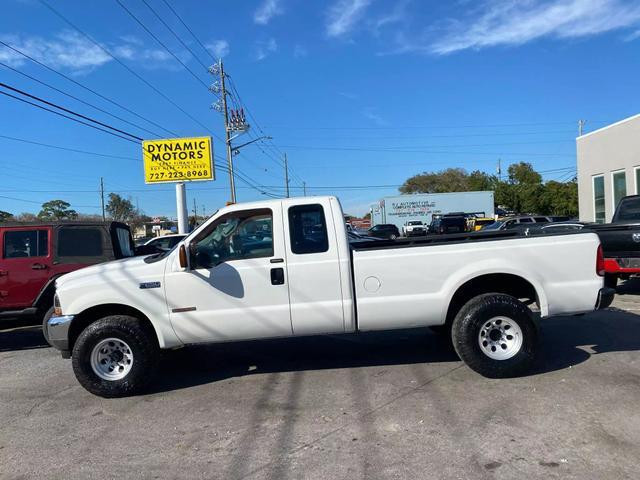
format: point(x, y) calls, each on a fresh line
point(181, 205)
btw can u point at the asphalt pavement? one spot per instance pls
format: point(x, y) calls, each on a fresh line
point(383, 405)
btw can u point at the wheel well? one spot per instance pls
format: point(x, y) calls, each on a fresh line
point(495, 282)
point(90, 315)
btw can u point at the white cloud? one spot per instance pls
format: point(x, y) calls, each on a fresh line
point(343, 15)
point(265, 48)
point(300, 51)
point(71, 51)
point(632, 36)
point(511, 22)
point(266, 11)
point(67, 50)
point(377, 119)
point(219, 48)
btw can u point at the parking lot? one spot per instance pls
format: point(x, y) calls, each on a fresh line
point(387, 405)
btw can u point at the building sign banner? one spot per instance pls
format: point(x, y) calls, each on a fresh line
point(178, 160)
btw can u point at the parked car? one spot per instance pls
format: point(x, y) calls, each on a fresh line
point(519, 222)
point(165, 242)
point(414, 228)
point(34, 255)
point(481, 222)
point(449, 223)
point(384, 230)
point(113, 319)
point(354, 236)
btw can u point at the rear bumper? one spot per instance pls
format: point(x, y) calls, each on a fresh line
point(605, 297)
point(58, 330)
point(622, 265)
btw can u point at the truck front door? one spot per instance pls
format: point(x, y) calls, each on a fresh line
point(236, 287)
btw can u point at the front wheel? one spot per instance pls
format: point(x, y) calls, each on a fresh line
point(495, 335)
point(115, 356)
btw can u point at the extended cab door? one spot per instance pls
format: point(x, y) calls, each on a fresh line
point(25, 265)
point(314, 268)
point(236, 286)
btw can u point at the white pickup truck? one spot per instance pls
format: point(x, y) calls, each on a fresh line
point(285, 268)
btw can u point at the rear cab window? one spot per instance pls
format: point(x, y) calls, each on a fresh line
point(308, 229)
point(25, 243)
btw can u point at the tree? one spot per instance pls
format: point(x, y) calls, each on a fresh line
point(57, 210)
point(5, 216)
point(523, 191)
point(449, 180)
point(523, 173)
point(26, 217)
point(120, 209)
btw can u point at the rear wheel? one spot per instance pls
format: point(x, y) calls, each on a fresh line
point(115, 356)
point(393, 236)
point(495, 335)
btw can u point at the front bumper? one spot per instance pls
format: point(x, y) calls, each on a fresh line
point(605, 297)
point(58, 330)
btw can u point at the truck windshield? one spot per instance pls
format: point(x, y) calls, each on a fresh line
point(628, 210)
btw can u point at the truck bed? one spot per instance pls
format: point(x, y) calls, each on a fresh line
point(410, 283)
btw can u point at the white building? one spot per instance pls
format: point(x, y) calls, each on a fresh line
point(608, 168)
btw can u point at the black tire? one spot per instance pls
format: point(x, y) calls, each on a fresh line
point(473, 318)
point(610, 281)
point(45, 319)
point(137, 335)
point(393, 236)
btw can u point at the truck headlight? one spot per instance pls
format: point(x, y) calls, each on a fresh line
point(57, 310)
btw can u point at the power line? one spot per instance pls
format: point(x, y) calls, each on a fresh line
point(130, 70)
point(175, 34)
point(402, 150)
point(86, 88)
point(132, 15)
point(190, 31)
point(404, 127)
point(66, 116)
point(84, 117)
point(79, 99)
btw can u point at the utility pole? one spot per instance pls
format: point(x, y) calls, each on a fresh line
point(581, 127)
point(104, 218)
point(227, 133)
point(286, 175)
point(304, 188)
point(499, 169)
point(181, 203)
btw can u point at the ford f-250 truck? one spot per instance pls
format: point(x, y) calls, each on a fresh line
point(284, 268)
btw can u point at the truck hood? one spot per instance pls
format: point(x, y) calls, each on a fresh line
point(124, 270)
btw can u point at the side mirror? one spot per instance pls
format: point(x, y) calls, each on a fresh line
point(182, 256)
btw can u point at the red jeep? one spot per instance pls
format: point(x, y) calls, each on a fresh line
point(33, 255)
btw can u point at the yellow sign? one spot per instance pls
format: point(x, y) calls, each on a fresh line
point(178, 160)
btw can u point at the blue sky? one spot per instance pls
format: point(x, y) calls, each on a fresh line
point(360, 94)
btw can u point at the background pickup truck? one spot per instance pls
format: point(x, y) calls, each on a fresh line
point(285, 268)
point(621, 240)
point(34, 255)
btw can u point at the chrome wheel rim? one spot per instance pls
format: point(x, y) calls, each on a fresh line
point(500, 338)
point(111, 359)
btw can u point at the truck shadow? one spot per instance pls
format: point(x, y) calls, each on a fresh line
point(565, 342)
point(20, 337)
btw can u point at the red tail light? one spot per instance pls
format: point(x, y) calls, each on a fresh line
point(600, 261)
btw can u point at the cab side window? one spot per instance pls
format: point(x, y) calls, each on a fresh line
point(308, 229)
point(236, 236)
point(26, 243)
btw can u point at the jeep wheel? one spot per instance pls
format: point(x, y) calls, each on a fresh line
point(115, 356)
point(495, 335)
point(45, 319)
